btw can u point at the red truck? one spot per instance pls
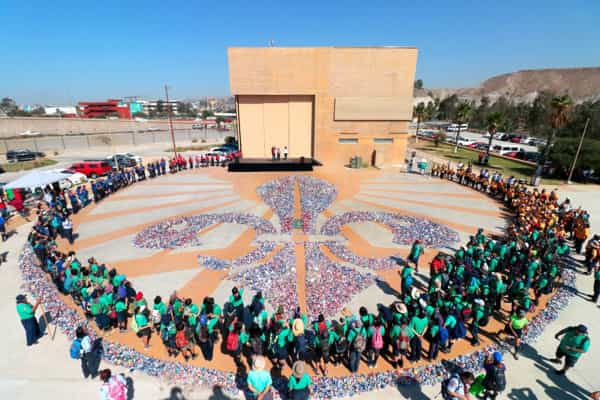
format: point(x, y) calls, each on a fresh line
point(92, 168)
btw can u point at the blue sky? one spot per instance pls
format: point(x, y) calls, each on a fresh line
point(63, 52)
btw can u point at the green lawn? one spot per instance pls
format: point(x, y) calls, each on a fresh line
point(27, 165)
point(506, 167)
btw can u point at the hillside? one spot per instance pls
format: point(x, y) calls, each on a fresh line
point(581, 83)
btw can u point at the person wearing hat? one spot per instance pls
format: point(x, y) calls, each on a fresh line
point(259, 381)
point(26, 313)
point(299, 383)
point(575, 341)
point(515, 328)
point(299, 339)
point(495, 376)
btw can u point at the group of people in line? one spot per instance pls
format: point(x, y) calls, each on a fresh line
point(276, 153)
point(463, 294)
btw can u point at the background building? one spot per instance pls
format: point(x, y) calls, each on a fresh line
point(328, 103)
point(105, 109)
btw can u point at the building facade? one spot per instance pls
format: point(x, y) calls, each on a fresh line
point(105, 109)
point(328, 103)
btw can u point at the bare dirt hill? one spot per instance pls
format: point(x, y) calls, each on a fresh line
point(580, 83)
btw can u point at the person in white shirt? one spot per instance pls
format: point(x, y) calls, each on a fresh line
point(67, 228)
point(458, 386)
point(88, 355)
point(285, 152)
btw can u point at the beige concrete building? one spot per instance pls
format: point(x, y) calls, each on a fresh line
point(329, 103)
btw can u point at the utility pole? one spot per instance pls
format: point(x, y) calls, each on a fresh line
point(578, 150)
point(171, 121)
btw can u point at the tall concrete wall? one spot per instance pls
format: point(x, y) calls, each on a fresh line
point(12, 127)
point(60, 143)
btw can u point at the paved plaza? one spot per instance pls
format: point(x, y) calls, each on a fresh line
point(337, 232)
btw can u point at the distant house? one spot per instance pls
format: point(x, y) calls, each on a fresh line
point(63, 111)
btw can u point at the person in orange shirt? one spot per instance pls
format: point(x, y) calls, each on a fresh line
point(582, 231)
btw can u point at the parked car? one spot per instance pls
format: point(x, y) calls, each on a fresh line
point(532, 156)
point(92, 168)
point(505, 148)
point(478, 146)
point(222, 150)
point(197, 126)
point(123, 160)
point(23, 155)
point(74, 179)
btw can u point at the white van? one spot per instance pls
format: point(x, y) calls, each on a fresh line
point(505, 148)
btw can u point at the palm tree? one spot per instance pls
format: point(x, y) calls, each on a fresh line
point(419, 112)
point(463, 113)
point(494, 120)
point(559, 116)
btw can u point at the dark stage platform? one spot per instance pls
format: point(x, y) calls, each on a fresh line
point(266, 164)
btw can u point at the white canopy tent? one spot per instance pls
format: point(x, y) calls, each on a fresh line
point(36, 179)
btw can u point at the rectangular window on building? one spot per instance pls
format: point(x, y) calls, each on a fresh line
point(347, 141)
point(383, 140)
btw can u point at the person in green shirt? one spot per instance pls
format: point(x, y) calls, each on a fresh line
point(143, 326)
point(415, 253)
point(515, 328)
point(259, 381)
point(407, 279)
point(478, 314)
point(237, 301)
point(575, 341)
point(418, 325)
point(282, 338)
point(299, 383)
point(26, 313)
point(121, 310)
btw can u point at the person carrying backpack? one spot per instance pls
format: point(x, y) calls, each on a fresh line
point(573, 344)
point(400, 337)
point(456, 387)
point(323, 341)
point(375, 334)
point(83, 345)
point(358, 344)
point(236, 338)
point(495, 377)
point(114, 387)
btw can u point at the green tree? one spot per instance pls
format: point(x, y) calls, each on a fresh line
point(140, 115)
point(461, 116)
point(160, 107)
point(494, 121)
point(560, 106)
point(419, 112)
point(563, 152)
point(418, 84)
point(447, 107)
point(430, 110)
point(206, 114)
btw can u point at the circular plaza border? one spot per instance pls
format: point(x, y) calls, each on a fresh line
point(67, 319)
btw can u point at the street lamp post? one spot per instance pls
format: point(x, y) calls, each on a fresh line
point(170, 121)
point(577, 152)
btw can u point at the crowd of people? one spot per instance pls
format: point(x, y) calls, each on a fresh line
point(464, 293)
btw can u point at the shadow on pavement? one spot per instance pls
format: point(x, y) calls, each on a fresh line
point(412, 392)
point(563, 387)
point(218, 394)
